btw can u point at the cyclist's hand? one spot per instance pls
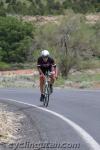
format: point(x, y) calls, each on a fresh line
point(42, 75)
point(53, 73)
point(56, 77)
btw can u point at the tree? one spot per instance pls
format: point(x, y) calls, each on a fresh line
point(50, 6)
point(73, 43)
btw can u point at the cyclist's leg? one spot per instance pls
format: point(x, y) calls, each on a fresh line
point(52, 80)
point(52, 77)
point(42, 84)
point(42, 81)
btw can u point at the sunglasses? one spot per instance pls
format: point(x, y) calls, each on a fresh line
point(45, 57)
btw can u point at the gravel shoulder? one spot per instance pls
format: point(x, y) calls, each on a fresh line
point(10, 123)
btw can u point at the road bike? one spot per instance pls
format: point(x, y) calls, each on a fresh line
point(47, 89)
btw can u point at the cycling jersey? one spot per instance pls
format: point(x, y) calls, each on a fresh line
point(46, 66)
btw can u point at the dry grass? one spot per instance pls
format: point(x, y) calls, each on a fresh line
point(9, 124)
point(90, 18)
point(19, 78)
point(93, 18)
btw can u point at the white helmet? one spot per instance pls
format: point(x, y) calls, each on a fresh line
point(45, 53)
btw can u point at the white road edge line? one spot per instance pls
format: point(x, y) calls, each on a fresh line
point(88, 139)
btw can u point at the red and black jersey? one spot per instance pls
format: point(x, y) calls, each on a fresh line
point(46, 66)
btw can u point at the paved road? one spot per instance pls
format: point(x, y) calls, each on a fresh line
point(81, 107)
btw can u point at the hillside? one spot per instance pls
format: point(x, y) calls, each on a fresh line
point(78, 45)
point(47, 7)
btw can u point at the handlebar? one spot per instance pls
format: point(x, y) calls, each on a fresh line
point(48, 73)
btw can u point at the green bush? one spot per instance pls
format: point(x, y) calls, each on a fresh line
point(4, 66)
point(15, 39)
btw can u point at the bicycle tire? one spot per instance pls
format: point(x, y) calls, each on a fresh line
point(46, 97)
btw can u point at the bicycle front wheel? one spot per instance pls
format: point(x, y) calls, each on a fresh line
point(46, 97)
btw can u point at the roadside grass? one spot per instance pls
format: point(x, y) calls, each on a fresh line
point(60, 81)
point(84, 77)
point(80, 79)
point(18, 81)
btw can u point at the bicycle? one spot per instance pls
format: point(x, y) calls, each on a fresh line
point(47, 90)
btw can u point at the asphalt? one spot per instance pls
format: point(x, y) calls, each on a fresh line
point(80, 106)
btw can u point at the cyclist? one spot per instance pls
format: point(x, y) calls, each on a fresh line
point(46, 63)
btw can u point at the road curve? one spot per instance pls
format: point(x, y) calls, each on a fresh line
point(82, 107)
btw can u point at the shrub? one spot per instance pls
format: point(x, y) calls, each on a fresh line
point(4, 66)
point(15, 39)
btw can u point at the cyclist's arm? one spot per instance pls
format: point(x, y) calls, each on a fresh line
point(54, 68)
point(40, 71)
point(56, 71)
point(38, 67)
